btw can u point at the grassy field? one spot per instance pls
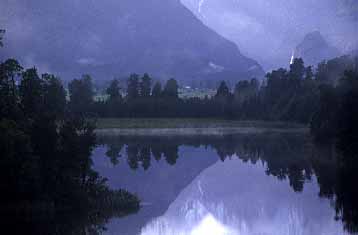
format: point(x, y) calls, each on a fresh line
point(139, 123)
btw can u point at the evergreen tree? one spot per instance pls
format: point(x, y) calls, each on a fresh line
point(171, 89)
point(8, 89)
point(309, 73)
point(297, 69)
point(31, 93)
point(81, 95)
point(54, 95)
point(157, 90)
point(114, 90)
point(2, 32)
point(133, 86)
point(145, 86)
point(223, 91)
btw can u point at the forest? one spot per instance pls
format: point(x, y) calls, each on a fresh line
point(45, 165)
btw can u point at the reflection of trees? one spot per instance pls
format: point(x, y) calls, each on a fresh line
point(114, 152)
point(337, 176)
point(43, 220)
point(285, 156)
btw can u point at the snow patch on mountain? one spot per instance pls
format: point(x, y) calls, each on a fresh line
point(216, 68)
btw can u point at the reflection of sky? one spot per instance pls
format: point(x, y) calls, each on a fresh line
point(240, 199)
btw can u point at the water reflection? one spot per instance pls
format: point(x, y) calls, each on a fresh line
point(247, 203)
point(239, 184)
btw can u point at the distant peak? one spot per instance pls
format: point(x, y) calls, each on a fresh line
point(314, 36)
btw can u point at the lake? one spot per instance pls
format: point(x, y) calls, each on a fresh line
point(242, 184)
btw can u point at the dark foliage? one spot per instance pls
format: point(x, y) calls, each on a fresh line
point(2, 32)
point(45, 149)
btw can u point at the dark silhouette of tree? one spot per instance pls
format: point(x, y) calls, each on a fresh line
point(54, 95)
point(145, 86)
point(171, 89)
point(31, 93)
point(157, 90)
point(145, 157)
point(81, 95)
point(46, 154)
point(170, 153)
point(133, 88)
point(132, 156)
point(324, 123)
point(297, 69)
point(157, 154)
point(223, 91)
point(347, 116)
point(244, 90)
point(114, 90)
point(309, 73)
point(114, 152)
point(9, 70)
point(2, 32)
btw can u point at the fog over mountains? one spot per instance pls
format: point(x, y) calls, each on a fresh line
point(115, 38)
point(313, 49)
point(269, 31)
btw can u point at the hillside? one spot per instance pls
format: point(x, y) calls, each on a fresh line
point(115, 38)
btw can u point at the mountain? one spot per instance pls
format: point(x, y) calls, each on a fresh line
point(115, 38)
point(314, 49)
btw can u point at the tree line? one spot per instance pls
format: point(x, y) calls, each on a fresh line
point(299, 94)
point(285, 95)
point(323, 98)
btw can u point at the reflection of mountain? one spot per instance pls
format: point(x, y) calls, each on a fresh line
point(238, 199)
point(157, 186)
point(159, 168)
point(314, 49)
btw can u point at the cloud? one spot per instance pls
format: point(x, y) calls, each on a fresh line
point(86, 61)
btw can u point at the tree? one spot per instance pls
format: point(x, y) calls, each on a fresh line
point(171, 89)
point(324, 122)
point(54, 95)
point(133, 86)
point(2, 32)
point(114, 90)
point(11, 69)
point(8, 89)
point(347, 138)
point(81, 95)
point(322, 73)
point(223, 91)
point(31, 93)
point(145, 86)
point(157, 90)
point(297, 69)
point(242, 91)
point(309, 73)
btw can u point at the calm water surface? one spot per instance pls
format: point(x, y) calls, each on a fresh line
point(224, 185)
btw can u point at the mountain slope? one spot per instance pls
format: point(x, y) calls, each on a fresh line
point(314, 49)
point(114, 38)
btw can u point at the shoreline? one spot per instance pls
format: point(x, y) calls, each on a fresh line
point(192, 126)
point(219, 131)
